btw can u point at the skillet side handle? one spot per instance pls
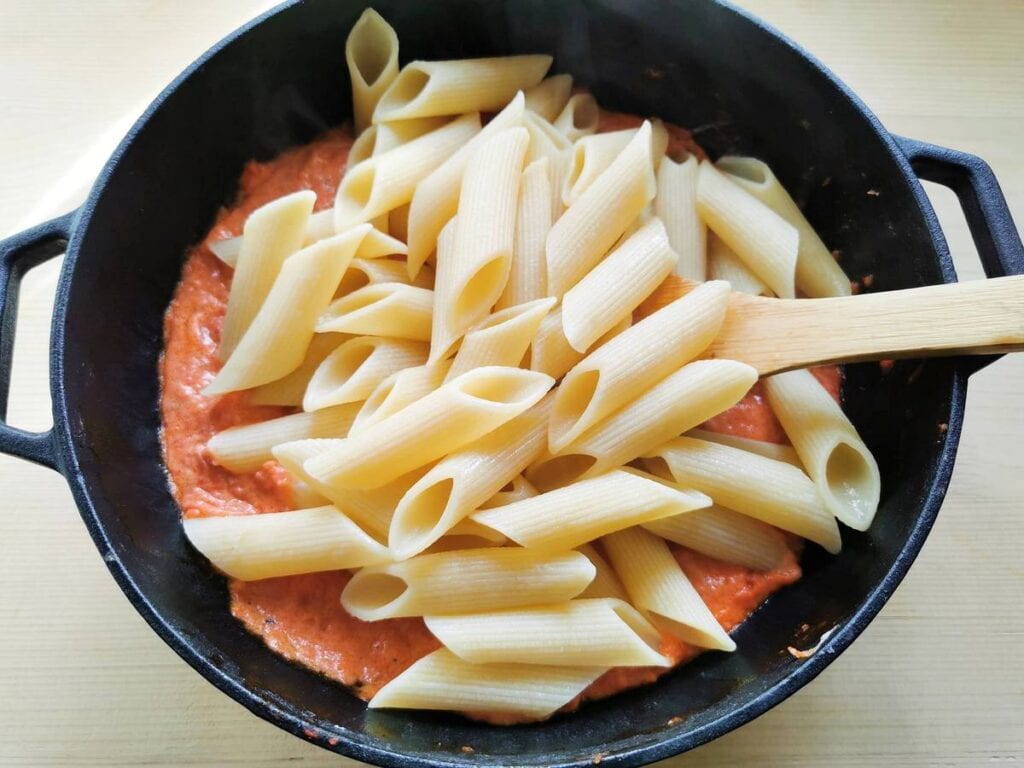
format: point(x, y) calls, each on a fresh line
point(18, 254)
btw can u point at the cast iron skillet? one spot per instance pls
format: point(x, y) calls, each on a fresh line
point(279, 82)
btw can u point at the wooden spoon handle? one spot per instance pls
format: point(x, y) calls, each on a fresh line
point(773, 335)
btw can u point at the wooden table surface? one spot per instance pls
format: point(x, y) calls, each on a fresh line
point(938, 678)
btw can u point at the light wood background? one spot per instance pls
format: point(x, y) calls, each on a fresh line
point(937, 680)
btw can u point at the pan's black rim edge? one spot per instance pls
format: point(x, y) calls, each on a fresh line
point(623, 754)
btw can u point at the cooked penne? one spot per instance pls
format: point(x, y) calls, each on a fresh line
point(470, 581)
point(771, 491)
point(676, 205)
point(364, 147)
point(290, 389)
point(546, 141)
point(354, 369)
point(251, 547)
point(465, 480)
point(638, 358)
point(834, 455)
point(765, 242)
point(443, 338)
point(518, 489)
point(395, 310)
point(591, 155)
point(387, 181)
point(551, 352)
point(583, 633)
point(590, 227)
point(775, 451)
point(481, 250)
point(247, 448)
point(364, 272)
point(436, 199)
point(549, 97)
point(677, 403)
point(818, 275)
point(391, 135)
point(568, 517)
point(501, 339)
point(445, 420)
point(272, 233)
point(527, 280)
point(657, 585)
point(276, 341)
point(617, 286)
point(398, 224)
point(605, 583)
point(443, 681)
point(579, 117)
point(724, 264)
point(428, 88)
point(371, 52)
point(399, 390)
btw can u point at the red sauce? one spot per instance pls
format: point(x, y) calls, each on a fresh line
point(301, 617)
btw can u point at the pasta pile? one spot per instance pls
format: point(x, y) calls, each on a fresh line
point(480, 416)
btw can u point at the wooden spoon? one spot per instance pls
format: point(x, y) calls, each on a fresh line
point(775, 335)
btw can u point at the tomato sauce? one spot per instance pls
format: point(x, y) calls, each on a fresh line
point(300, 617)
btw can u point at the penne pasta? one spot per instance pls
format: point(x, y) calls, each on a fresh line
point(272, 233)
point(364, 272)
point(818, 275)
point(579, 117)
point(465, 480)
point(290, 389)
point(251, 547)
point(775, 451)
point(549, 97)
point(527, 280)
point(771, 491)
point(724, 264)
point(591, 156)
point(517, 489)
point(468, 581)
point(765, 242)
point(590, 227)
point(353, 370)
point(398, 224)
point(582, 633)
point(657, 585)
point(605, 582)
point(546, 141)
point(443, 681)
point(445, 420)
point(399, 390)
point(247, 448)
point(676, 205)
point(570, 516)
point(617, 286)
point(393, 310)
point(371, 52)
point(391, 135)
point(677, 403)
point(837, 460)
point(428, 88)
point(443, 338)
point(551, 352)
point(501, 339)
point(638, 358)
point(363, 148)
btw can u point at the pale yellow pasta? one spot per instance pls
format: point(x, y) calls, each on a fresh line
point(470, 581)
point(443, 681)
point(290, 389)
point(617, 285)
point(394, 310)
point(467, 535)
point(387, 181)
point(443, 338)
point(591, 155)
point(584, 633)
point(481, 251)
point(527, 279)
point(364, 147)
point(371, 52)
point(724, 264)
point(551, 352)
point(448, 418)
point(775, 451)
point(436, 199)
point(465, 480)
point(638, 358)
point(399, 390)
point(251, 547)
point(765, 242)
point(771, 491)
point(364, 272)
point(545, 141)
point(276, 340)
point(391, 135)
point(835, 456)
point(354, 369)
point(677, 403)
point(428, 88)
point(517, 489)
point(398, 223)
point(605, 583)
point(590, 227)
point(549, 97)
point(818, 275)
point(657, 585)
point(579, 117)
point(501, 339)
point(676, 205)
point(247, 448)
point(567, 517)
point(271, 234)
point(304, 495)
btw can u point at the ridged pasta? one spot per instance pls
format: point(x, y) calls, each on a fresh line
point(394, 310)
point(579, 117)
point(527, 278)
point(724, 264)
point(290, 389)
point(775, 451)
point(399, 390)
point(371, 52)
point(352, 371)
point(364, 272)
point(551, 352)
point(605, 582)
point(676, 205)
point(501, 339)
point(549, 97)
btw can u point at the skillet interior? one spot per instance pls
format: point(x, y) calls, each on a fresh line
point(281, 83)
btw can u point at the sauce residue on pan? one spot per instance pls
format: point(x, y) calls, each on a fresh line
point(300, 617)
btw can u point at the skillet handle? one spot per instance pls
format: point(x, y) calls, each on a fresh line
point(18, 254)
